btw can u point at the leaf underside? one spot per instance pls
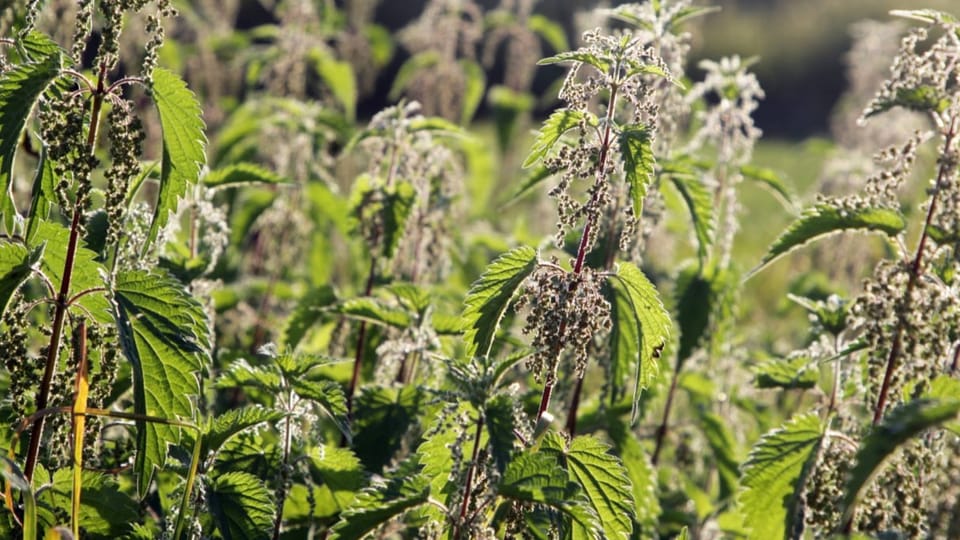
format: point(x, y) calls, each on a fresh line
point(824, 219)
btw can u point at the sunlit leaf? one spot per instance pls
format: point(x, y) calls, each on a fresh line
point(241, 505)
point(384, 500)
point(16, 266)
point(773, 476)
point(650, 319)
point(475, 87)
point(310, 310)
point(537, 477)
point(164, 335)
point(339, 78)
point(234, 421)
point(20, 88)
point(699, 203)
point(603, 479)
point(560, 122)
point(790, 373)
point(489, 297)
point(636, 148)
point(826, 218)
point(769, 179)
point(580, 55)
point(241, 174)
point(183, 145)
point(897, 428)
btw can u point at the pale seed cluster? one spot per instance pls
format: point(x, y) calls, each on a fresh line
point(566, 312)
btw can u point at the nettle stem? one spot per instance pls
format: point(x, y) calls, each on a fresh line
point(664, 426)
point(62, 300)
point(947, 165)
point(361, 340)
point(471, 472)
point(592, 218)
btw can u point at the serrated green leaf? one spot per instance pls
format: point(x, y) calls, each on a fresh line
point(945, 387)
point(488, 297)
point(234, 421)
point(16, 266)
point(925, 15)
point(826, 218)
point(398, 205)
point(475, 87)
point(699, 203)
point(773, 476)
point(329, 396)
point(897, 428)
point(501, 423)
point(35, 46)
point(409, 70)
point(790, 373)
point(652, 323)
point(20, 88)
point(376, 311)
point(769, 179)
point(724, 446)
point(340, 477)
point(42, 197)
point(831, 314)
point(624, 341)
point(537, 477)
point(87, 272)
point(531, 179)
point(602, 478)
point(183, 145)
point(164, 335)
point(695, 302)
point(580, 55)
point(923, 98)
point(636, 148)
point(105, 510)
point(643, 476)
point(381, 417)
point(242, 374)
point(242, 507)
point(381, 502)
point(691, 12)
point(309, 310)
point(549, 31)
point(241, 174)
point(559, 122)
point(339, 78)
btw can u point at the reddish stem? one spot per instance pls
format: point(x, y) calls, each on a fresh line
point(916, 270)
point(468, 486)
point(665, 422)
point(361, 340)
point(587, 229)
point(62, 301)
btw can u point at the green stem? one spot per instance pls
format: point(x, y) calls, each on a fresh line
point(188, 489)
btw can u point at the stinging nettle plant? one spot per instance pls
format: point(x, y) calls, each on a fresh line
point(874, 453)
